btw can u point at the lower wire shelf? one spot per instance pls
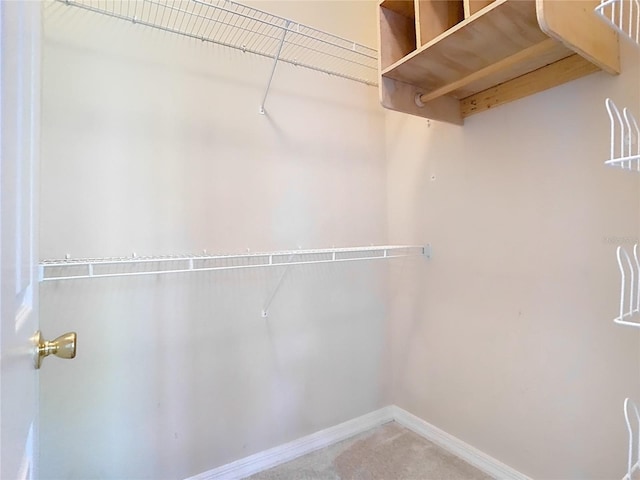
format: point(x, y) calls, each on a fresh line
point(72, 269)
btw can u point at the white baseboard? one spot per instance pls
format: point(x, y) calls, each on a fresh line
point(475, 457)
point(289, 451)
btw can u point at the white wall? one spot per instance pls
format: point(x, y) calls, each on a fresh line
point(505, 338)
point(154, 144)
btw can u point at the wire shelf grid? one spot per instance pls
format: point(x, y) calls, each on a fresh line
point(69, 269)
point(623, 16)
point(629, 287)
point(624, 137)
point(248, 29)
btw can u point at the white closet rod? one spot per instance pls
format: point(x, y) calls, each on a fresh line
point(71, 269)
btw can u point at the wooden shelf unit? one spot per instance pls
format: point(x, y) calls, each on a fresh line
point(448, 59)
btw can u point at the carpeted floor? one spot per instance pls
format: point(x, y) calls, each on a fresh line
point(389, 452)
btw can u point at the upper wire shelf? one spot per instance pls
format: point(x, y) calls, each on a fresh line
point(629, 287)
point(624, 137)
point(247, 29)
point(68, 269)
point(623, 16)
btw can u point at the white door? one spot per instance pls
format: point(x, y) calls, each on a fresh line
point(19, 104)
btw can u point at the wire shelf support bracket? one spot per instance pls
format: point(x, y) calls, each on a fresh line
point(624, 138)
point(275, 64)
point(632, 419)
point(629, 313)
point(74, 269)
point(623, 16)
point(265, 310)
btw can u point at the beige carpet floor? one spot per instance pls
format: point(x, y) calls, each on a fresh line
point(389, 452)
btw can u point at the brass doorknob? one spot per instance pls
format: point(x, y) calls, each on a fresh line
point(63, 347)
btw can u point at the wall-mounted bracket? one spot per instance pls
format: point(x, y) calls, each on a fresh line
point(265, 310)
point(632, 419)
point(275, 64)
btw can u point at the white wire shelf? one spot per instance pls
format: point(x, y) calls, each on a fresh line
point(248, 29)
point(624, 137)
point(72, 269)
point(632, 419)
point(623, 16)
point(629, 266)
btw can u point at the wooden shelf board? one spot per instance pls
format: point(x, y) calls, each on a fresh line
point(505, 28)
point(563, 71)
point(576, 25)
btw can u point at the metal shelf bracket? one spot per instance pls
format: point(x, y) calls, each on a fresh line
point(275, 64)
point(265, 310)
